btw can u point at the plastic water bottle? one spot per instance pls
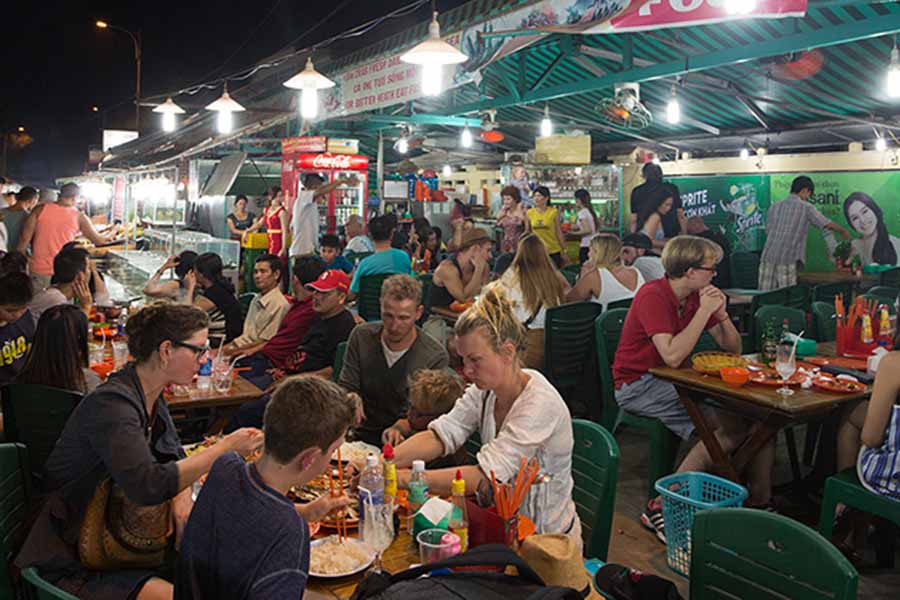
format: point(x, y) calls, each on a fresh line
point(371, 486)
point(204, 376)
point(418, 492)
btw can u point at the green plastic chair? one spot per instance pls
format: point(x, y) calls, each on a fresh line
point(776, 315)
point(845, 488)
point(626, 303)
point(798, 297)
point(355, 257)
point(747, 553)
point(41, 589)
point(368, 302)
point(825, 321)
point(338, 361)
point(744, 270)
point(825, 292)
point(427, 280)
point(663, 443)
point(244, 300)
point(595, 470)
point(569, 348)
point(15, 493)
point(571, 273)
point(890, 278)
point(35, 415)
point(885, 294)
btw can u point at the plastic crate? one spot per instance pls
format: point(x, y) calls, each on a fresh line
point(256, 241)
point(683, 495)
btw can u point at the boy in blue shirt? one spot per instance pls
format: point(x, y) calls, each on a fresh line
point(386, 259)
point(330, 251)
point(245, 538)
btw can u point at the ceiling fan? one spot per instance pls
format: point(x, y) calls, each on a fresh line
point(625, 109)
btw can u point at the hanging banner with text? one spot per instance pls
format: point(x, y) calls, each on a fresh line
point(735, 205)
point(867, 204)
point(386, 80)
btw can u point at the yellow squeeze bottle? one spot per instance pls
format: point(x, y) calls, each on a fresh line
point(459, 518)
point(390, 473)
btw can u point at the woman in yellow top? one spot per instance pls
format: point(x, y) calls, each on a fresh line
point(543, 221)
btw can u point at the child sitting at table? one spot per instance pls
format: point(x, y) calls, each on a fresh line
point(665, 321)
point(245, 538)
point(330, 251)
point(432, 393)
point(869, 441)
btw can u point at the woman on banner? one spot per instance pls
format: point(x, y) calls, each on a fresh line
point(875, 244)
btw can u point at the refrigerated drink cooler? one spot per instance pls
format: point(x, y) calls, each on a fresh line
point(343, 201)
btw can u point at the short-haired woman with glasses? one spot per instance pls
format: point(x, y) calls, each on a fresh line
point(123, 431)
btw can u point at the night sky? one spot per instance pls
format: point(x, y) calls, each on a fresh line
point(57, 64)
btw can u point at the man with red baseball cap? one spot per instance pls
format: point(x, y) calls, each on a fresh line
point(315, 355)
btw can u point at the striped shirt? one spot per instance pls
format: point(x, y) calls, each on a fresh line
point(879, 468)
point(787, 224)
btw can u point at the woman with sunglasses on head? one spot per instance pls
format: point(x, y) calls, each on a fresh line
point(122, 431)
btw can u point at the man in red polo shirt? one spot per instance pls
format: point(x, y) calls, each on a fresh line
point(666, 319)
point(294, 327)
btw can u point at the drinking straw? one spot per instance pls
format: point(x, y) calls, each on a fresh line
point(494, 488)
point(342, 523)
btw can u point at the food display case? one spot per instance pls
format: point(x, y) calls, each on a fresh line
point(132, 268)
point(154, 200)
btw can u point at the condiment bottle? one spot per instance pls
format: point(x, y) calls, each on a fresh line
point(390, 474)
point(459, 516)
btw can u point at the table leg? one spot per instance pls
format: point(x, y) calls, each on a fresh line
point(223, 416)
point(760, 434)
point(707, 435)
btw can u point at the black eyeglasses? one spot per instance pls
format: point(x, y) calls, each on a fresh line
point(199, 351)
point(710, 269)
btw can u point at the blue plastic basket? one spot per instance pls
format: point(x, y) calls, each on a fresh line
point(683, 495)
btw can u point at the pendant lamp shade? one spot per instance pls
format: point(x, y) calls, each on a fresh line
point(434, 50)
point(309, 79)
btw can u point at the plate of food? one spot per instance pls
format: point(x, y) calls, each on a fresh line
point(771, 377)
point(356, 452)
point(351, 518)
point(840, 385)
point(330, 558)
point(710, 362)
point(838, 361)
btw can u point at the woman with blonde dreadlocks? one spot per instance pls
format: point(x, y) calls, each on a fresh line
point(517, 412)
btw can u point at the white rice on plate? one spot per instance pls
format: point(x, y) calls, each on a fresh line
point(331, 557)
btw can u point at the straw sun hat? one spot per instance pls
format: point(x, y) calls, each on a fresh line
point(557, 559)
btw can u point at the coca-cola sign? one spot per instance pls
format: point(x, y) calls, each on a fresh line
point(326, 161)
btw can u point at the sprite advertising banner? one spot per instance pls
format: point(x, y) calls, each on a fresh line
point(736, 205)
point(867, 204)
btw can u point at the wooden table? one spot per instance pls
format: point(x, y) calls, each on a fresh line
point(741, 296)
point(398, 557)
point(867, 280)
point(769, 410)
point(450, 316)
point(226, 404)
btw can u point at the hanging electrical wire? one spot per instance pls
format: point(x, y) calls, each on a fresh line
point(249, 72)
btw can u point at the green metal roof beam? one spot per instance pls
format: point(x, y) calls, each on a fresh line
point(830, 36)
point(423, 119)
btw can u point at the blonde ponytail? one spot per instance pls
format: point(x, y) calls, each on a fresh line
point(493, 313)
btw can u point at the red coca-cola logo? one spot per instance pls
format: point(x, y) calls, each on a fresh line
point(325, 161)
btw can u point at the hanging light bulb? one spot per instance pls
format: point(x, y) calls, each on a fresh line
point(546, 123)
point(432, 55)
point(893, 74)
point(309, 82)
point(465, 138)
point(402, 145)
point(447, 171)
point(745, 154)
point(168, 109)
point(880, 144)
point(673, 109)
point(225, 106)
point(740, 7)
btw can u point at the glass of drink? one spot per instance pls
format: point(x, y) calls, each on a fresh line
point(786, 365)
point(378, 528)
point(222, 378)
point(120, 353)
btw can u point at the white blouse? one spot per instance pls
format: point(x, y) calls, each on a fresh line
point(538, 425)
point(513, 290)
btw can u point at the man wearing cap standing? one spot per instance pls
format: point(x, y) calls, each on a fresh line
point(386, 260)
point(637, 252)
point(315, 355)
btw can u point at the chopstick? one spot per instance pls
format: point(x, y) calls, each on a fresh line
point(342, 520)
point(508, 497)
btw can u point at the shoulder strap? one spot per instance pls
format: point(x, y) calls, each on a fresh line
point(484, 399)
point(531, 319)
point(488, 555)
